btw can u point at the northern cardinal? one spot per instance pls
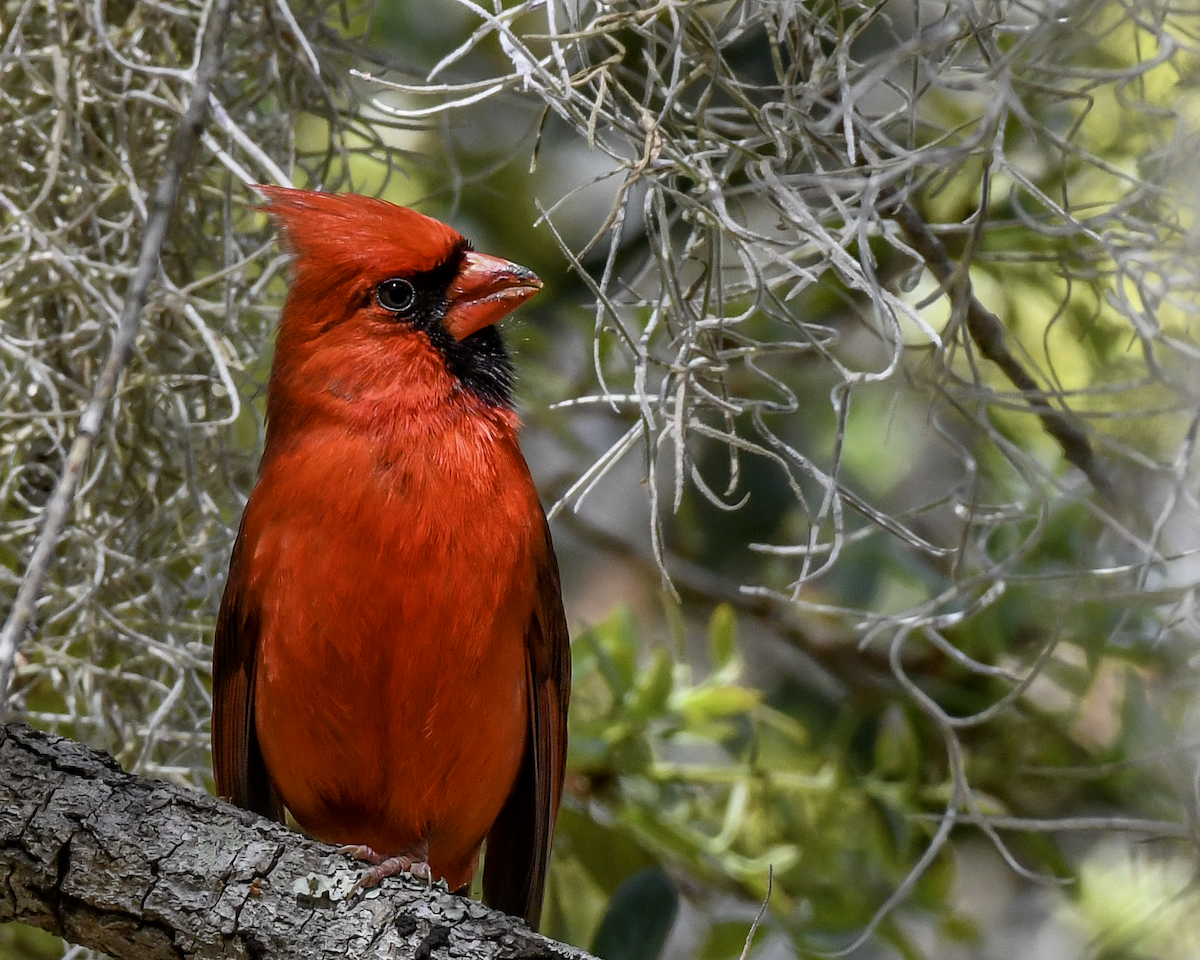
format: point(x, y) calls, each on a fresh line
point(391, 661)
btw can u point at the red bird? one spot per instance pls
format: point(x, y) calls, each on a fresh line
point(391, 661)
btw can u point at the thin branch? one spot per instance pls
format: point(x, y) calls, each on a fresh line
point(834, 666)
point(758, 917)
point(987, 333)
point(1140, 825)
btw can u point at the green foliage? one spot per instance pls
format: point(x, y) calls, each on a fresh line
point(686, 779)
point(1138, 906)
point(701, 776)
point(21, 942)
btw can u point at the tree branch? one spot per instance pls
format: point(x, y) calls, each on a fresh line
point(987, 332)
point(143, 869)
point(835, 659)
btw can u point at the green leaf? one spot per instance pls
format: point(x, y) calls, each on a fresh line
point(897, 748)
point(639, 918)
point(722, 635)
point(609, 853)
point(575, 903)
point(615, 646)
point(703, 704)
point(23, 942)
point(653, 689)
point(673, 611)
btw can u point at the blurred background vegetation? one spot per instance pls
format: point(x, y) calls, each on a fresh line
point(862, 391)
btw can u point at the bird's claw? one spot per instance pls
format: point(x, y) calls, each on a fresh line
point(360, 851)
point(383, 867)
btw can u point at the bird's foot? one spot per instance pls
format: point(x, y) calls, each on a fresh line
point(413, 861)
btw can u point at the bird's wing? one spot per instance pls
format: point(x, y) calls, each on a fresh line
point(518, 846)
point(238, 767)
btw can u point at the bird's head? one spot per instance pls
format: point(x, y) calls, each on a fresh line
point(387, 302)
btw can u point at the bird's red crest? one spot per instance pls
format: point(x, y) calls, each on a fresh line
point(350, 235)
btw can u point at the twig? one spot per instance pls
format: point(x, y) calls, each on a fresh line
point(987, 332)
point(162, 205)
point(834, 666)
point(762, 912)
point(1143, 825)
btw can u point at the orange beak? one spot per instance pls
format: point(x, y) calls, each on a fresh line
point(486, 290)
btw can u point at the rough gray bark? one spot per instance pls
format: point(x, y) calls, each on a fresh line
point(144, 869)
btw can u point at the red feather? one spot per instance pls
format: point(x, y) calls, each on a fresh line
point(391, 660)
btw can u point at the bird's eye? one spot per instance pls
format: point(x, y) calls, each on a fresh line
point(396, 295)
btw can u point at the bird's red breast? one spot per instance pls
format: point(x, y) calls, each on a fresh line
point(391, 660)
